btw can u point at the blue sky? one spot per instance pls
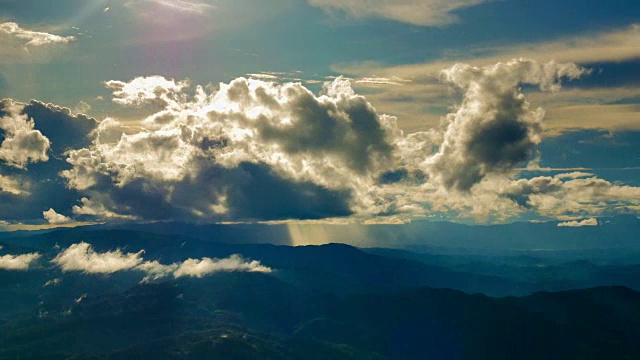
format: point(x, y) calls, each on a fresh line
point(476, 164)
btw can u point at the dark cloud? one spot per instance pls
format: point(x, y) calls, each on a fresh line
point(260, 194)
point(248, 192)
point(402, 175)
point(349, 128)
point(64, 129)
point(42, 186)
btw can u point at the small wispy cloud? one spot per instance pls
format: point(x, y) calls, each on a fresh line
point(33, 38)
point(382, 81)
point(415, 12)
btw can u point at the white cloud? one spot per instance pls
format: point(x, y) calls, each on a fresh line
point(199, 268)
point(416, 12)
point(94, 209)
point(82, 257)
point(22, 143)
point(54, 218)
point(500, 198)
point(151, 89)
point(200, 155)
point(31, 38)
point(585, 222)
point(206, 266)
point(154, 270)
point(257, 150)
point(17, 262)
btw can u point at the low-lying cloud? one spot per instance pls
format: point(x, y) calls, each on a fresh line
point(205, 266)
point(18, 262)
point(83, 258)
point(575, 223)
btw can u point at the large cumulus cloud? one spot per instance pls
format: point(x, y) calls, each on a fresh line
point(252, 150)
point(494, 128)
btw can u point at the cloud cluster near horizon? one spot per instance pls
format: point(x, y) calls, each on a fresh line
point(254, 150)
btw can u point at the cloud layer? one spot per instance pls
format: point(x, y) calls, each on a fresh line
point(415, 12)
point(576, 108)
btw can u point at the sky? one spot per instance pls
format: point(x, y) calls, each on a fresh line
point(318, 111)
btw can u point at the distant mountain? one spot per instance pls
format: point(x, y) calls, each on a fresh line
point(339, 268)
point(244, 316)
point(331, 301)
point(614, 238)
